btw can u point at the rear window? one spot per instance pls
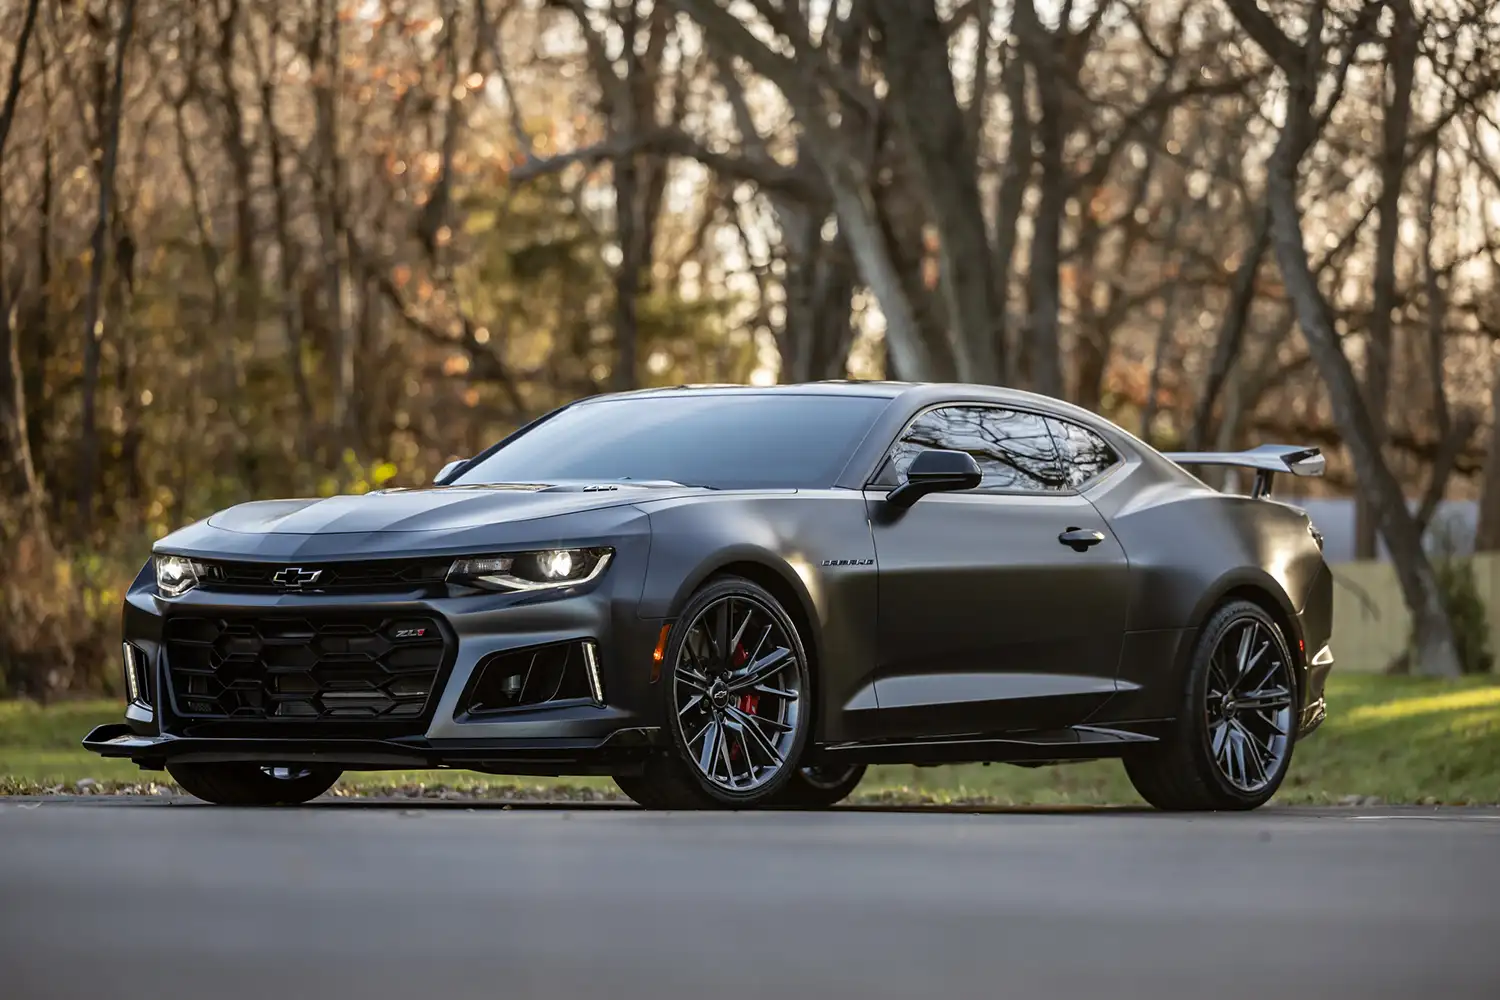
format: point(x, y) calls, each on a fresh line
point(740, 440)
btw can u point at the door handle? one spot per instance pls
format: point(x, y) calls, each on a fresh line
point(1081, 539)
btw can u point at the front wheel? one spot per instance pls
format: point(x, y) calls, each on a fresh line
point(738, 703)
point(1233, 739)
point(237, 784)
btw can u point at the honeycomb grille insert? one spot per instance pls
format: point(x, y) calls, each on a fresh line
point(303, 669)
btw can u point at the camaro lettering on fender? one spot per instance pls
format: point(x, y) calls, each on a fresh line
point(848, 562)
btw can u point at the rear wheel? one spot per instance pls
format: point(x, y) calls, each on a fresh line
point(738, 703)
point(1234, 735)
point(237, 784)
point(819, 786)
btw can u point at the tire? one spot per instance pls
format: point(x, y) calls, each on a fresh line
point(758, 724)
point(819, 786)
point(1230, 748)
point(237, 784)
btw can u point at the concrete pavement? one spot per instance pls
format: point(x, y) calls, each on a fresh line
point(121, 898)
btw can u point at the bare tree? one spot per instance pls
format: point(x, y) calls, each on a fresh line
point(93, 326)
point(12, 378)
point(1302, 64)
point(1400, 70)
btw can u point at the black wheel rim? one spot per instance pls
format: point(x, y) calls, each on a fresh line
point(828, 776)
point(737, 689)
point(1249, 705)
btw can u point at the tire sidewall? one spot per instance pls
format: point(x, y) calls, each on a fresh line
point(1221, 622)
point(849, 778)
point(714, 591)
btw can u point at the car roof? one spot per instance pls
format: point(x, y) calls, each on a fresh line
point(917, 394)
point(906, 399)
point(845, 387)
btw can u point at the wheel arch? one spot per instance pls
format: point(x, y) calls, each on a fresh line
point(783, 583)
point(1261, 589)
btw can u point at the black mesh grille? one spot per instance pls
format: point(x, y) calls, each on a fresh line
point(307, 669)
point(362, 577)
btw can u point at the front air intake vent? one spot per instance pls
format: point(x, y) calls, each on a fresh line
point(321, 669)
point(536, 675)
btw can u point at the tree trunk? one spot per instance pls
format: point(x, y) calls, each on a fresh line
point(625, 122)
point(926, 110)
point(93, 326)
point(844, 172)
point(1487, 538)
point(331, 164)
point(1401, 58)
point(1436, 652)
point(246, 297)
point(1042, 352)
point(13, 380)
point(1045, 291)
point(13, 89)
point(1010, 198)
point(287, 263)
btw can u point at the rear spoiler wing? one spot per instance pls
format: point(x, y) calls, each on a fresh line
point(1267, 460)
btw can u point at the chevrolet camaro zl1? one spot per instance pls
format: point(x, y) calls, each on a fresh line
point(729, 596)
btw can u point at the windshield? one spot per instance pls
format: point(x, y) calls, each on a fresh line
point(721, 440)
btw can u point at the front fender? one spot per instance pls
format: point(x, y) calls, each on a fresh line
point(816, 544)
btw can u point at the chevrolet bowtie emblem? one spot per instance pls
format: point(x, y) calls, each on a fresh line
point(295, 577)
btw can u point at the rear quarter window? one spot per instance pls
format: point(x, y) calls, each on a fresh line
point(1085, 455)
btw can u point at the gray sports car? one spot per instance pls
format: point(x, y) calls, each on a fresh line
point(734, 596)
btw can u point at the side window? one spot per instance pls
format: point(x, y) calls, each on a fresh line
point(1085, 455)
point(1014, 450)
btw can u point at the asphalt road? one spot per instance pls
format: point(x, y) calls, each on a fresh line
point(120, 899)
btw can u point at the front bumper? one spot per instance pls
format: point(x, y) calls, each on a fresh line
point(621, 752)
point(567, 736)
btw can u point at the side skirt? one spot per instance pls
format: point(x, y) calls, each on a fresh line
point(1038, 747)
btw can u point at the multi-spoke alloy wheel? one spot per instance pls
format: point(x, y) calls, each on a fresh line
point(1237, 726)
point(738, 689)
point(739, 703)
point(1249, 705)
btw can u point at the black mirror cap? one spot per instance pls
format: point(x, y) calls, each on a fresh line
point(936, 471)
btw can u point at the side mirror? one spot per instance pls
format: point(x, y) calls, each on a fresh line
point(448, 470)
point(936, 472)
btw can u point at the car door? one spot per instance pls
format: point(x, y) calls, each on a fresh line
point(988, 620)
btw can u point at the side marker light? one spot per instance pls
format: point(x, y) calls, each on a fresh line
point(659, 654)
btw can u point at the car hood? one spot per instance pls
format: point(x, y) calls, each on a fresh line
point(438, 508)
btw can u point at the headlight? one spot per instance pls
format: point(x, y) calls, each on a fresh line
point(175, 575)
point(531, 570)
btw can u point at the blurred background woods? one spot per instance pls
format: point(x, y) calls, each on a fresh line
point(258, 248)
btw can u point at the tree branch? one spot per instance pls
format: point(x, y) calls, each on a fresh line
point(765, 173)
point(1284, 52)
point(13, 90)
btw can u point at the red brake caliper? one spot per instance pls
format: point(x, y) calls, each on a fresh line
point(748, 703)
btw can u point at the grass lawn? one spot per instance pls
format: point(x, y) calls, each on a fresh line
point(1395, 739)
